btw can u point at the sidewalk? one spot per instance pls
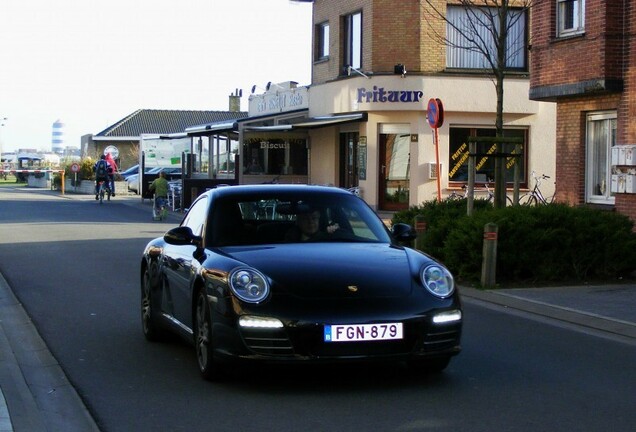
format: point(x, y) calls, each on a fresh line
point(35, 394)
point(608, 308)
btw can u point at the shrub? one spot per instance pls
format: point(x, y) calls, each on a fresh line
point(440, 218)
point(537, 245)
point(85, 171)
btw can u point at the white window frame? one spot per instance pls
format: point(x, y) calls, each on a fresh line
point(353, 40)
point(462, 21)
point(600, 137)
point(570, 17)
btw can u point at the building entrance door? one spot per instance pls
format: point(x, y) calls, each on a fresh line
point(394, 175)
point(348, 160)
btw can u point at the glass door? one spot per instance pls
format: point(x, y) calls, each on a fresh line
point(348, 171)
point(394, 174)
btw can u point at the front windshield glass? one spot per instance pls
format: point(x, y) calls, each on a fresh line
point(294, 218)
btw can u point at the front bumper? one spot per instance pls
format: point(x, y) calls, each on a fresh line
point(304, 342)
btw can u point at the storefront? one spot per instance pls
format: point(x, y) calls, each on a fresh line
point(372, 133)
point(392, 156)
point(273, 144)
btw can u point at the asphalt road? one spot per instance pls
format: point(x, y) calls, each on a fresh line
point(73, 264)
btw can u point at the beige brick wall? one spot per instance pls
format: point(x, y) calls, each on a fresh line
point(394, 32)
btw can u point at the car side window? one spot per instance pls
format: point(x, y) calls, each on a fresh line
point(196, 217)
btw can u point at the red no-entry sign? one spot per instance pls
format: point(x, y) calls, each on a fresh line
point(435, 113)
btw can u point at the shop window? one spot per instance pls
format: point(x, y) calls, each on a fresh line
point(275, 156)
point(570, 17)
point(484, 163)
point(601, 137)
point(224, 150)
point(352, 40)
point(322, 41)
point(468, 24)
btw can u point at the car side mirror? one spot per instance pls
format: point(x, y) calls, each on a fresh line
point(182, 236)
point(403, 233)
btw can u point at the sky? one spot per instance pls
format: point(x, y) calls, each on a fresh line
point(90, 63)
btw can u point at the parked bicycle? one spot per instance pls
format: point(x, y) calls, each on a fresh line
point(535, 196)
point(490, 194)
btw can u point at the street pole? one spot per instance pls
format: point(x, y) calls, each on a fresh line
point(4, 119)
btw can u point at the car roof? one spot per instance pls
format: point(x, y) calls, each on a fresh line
point(265, 189)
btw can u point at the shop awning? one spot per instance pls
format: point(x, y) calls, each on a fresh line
point(212, 127)
point(311, 123)
point(322, 121)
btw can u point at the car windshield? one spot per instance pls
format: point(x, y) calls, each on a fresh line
point(319, 218)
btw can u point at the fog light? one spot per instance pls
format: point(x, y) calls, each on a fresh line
point(259, 322)
point(447, 317)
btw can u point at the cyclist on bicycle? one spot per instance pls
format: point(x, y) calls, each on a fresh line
point(102, 170)
point(111, 173)
point(160, 188)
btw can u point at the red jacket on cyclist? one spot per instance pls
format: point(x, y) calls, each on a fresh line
point(102, 170)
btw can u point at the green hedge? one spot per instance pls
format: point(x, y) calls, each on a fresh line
point(537, 245)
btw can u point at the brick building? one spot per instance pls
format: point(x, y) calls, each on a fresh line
point(383, 58)
point(584, 59)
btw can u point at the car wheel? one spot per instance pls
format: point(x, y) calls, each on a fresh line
point(148, 321)
point(203, 339)
point(432, 366)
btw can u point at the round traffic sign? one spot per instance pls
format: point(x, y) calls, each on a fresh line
point(114, 151)
point(75, 167)
point(435, 113)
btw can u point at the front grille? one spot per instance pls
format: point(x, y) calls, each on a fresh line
point(440, 339)
point(357, 349)
point(268, 341)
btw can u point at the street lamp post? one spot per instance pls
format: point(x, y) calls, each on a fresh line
point(2, 121)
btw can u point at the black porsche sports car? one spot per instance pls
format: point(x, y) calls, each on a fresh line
point(297, 273)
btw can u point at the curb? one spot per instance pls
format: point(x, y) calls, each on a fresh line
point(561, 313)
point(35, 389)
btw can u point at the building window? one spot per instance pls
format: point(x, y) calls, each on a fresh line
point(274, 155)
point(485, 164)
point(465, 25)
point(352, 40)
point(322, 41)
point(570, 17)
point(224, 150)
point(601, 137)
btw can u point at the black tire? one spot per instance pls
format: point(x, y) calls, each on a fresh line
point(204, 348)
point(149, 325)
point(527, 200)
point(429, 366)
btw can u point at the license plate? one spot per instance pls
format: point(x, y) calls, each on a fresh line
point(363, 332)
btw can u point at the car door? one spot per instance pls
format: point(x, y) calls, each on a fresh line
point(180, 266)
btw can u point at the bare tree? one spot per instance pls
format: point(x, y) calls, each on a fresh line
point(489, 28)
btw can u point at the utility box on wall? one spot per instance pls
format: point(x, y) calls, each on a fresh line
point(624, 169)
point(624, 155)
point(630, 183)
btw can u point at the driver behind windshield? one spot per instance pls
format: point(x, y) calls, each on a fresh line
point(307, 228)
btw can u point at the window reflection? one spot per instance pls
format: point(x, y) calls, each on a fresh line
point(275, 156)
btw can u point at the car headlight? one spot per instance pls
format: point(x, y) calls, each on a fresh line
point(438, 280)
point(249, 285)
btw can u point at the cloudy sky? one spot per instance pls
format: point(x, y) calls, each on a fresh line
point(90, 63)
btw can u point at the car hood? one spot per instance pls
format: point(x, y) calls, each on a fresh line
point(332, 270)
